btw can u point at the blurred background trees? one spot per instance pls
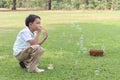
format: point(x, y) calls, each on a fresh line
point(61, 4)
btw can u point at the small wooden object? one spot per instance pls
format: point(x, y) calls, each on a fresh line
point(96, 52)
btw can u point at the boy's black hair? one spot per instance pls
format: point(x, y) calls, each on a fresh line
point(31, 18)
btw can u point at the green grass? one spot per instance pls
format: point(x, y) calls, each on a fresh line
point(62, 47)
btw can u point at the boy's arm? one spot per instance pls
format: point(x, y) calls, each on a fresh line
point(44, 38)
point(35, 40)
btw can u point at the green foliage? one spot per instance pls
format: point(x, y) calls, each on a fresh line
point(82, 6)
point(5, 3)
point(64, 4)
point(55, 5)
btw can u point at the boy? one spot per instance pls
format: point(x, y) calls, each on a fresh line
point(27, 49)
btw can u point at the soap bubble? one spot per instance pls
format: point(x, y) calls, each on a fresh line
point(69, 41)
point(84, 50)
point(76, 62)
point(78, 43)
point(50, 66)
point(97, 72)
point(72, 24)
point(60, 53)
point(79, 29)
point(103, 47)
point(63, 34)
point(81, 40)
point(81, 37)
point(71, 35)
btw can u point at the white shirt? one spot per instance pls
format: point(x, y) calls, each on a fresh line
point(22, 40)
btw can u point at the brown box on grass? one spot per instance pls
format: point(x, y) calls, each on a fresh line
point(96, 52)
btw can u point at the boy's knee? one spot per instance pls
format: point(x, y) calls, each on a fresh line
point(38, 48)
point(42, 49)
point(35, 47)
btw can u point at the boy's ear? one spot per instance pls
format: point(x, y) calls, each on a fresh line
point(30, 23)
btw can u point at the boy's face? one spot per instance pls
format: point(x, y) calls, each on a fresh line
point(36, 24)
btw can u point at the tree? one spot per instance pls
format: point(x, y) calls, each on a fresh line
point(14, 5)
point(106, 4)
point(86, 4)
point(62, 4)
point(49, 4)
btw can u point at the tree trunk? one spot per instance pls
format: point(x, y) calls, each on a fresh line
point(105, 4)
point(112, 5)
point(14, 5)
point(49, 4)
point(86, 4)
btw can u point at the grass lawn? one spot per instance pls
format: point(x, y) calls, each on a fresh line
point(71, 35)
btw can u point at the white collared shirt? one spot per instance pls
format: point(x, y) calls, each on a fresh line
point(22, 40)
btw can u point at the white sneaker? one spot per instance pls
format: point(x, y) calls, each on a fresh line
point(39, 70)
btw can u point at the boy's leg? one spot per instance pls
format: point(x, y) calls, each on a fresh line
point(31, 56)
point(25, 54)
point(35, 58)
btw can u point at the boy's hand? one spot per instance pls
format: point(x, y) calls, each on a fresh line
point(45, 32)
point(45, 35)
point(44, 29)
